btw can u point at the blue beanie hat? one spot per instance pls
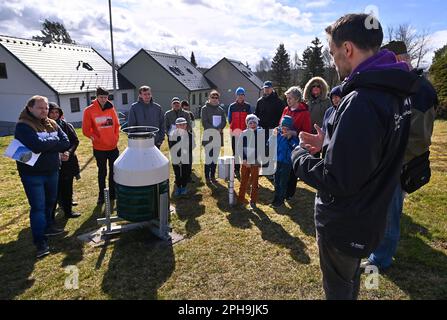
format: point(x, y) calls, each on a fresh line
point(287, 121)
point(336, 91)
point(240, 91)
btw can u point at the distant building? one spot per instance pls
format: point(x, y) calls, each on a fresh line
point(169, 76)
point(66, 74)
point(227, 75)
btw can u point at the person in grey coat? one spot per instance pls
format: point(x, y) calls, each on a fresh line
point(316, 97)
point(213, 117)
point(146, 112)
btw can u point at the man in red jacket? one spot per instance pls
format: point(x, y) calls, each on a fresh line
point(237, 112)
point(101, 125)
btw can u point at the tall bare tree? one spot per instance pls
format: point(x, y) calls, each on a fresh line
point(330, 73)
point(417, 42)
point(263, 69)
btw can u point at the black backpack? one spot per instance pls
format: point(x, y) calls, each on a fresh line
point(416, 173)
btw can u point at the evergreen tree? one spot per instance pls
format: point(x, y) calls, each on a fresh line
point(193, 59)
point(281, 70)
point(54, 32)
point(438, 73)
point(313, 62)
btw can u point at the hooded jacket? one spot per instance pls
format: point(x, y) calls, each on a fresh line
point(148, 114)
point(69, 168)
point(101, 125)
point(364, 148)
point(44, 137)
point(319, 105)
point(269, 111)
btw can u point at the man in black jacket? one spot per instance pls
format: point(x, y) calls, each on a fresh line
point(269, 108)
point(364, 148)
point(69, 164)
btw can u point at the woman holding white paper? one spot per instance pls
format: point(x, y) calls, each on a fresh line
point(213, 118)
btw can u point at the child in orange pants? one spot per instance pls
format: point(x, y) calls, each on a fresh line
point(250, 166)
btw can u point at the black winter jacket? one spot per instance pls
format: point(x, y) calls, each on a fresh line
point(364, 148)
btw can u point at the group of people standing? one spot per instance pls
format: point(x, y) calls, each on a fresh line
point(351, 144)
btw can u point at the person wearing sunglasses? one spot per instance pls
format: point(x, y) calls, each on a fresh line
point(213, 118)
point(316, 97)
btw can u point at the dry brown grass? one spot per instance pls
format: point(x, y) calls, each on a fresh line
point(228, 253)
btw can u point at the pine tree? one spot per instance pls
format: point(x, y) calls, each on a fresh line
point(193, 59)
point(438, 73)
point(281, 70)
point(54, 32)
point(313, 62)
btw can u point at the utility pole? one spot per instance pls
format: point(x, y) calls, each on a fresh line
point(113, 55)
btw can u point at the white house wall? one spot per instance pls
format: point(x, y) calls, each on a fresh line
point(20, 85)
point(76, 117)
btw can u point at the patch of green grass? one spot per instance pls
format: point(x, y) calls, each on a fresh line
point(228, 253)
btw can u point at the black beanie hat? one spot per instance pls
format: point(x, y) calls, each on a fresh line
point(398, 47)
point(101, 92)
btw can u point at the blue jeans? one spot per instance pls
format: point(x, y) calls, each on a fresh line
point(282, 176)
point(41, 192)
point(382, 257)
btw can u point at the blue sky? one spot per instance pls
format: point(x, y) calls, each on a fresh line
point(243, 30)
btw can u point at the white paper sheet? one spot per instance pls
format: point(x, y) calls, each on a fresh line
point(217, 120)
point(17, 151)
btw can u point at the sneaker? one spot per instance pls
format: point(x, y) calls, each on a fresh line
point(213, 180)
point(42, 250)
point(183, 192)
point(73, 215)
point(177, 192)
point(53, 231)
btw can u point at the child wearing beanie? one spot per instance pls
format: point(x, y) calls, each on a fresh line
point(286, 142)
point(248, 143)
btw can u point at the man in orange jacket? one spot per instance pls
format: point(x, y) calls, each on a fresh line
point(100, 124)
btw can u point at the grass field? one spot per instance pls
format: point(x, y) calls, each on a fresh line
point(227, 253)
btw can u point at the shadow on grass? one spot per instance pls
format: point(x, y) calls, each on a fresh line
point(188, 208)
point(17, 260)
point(270, 231)
point(72, 246)
point(301, 211)
point(419, 270)
point(139, 266)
